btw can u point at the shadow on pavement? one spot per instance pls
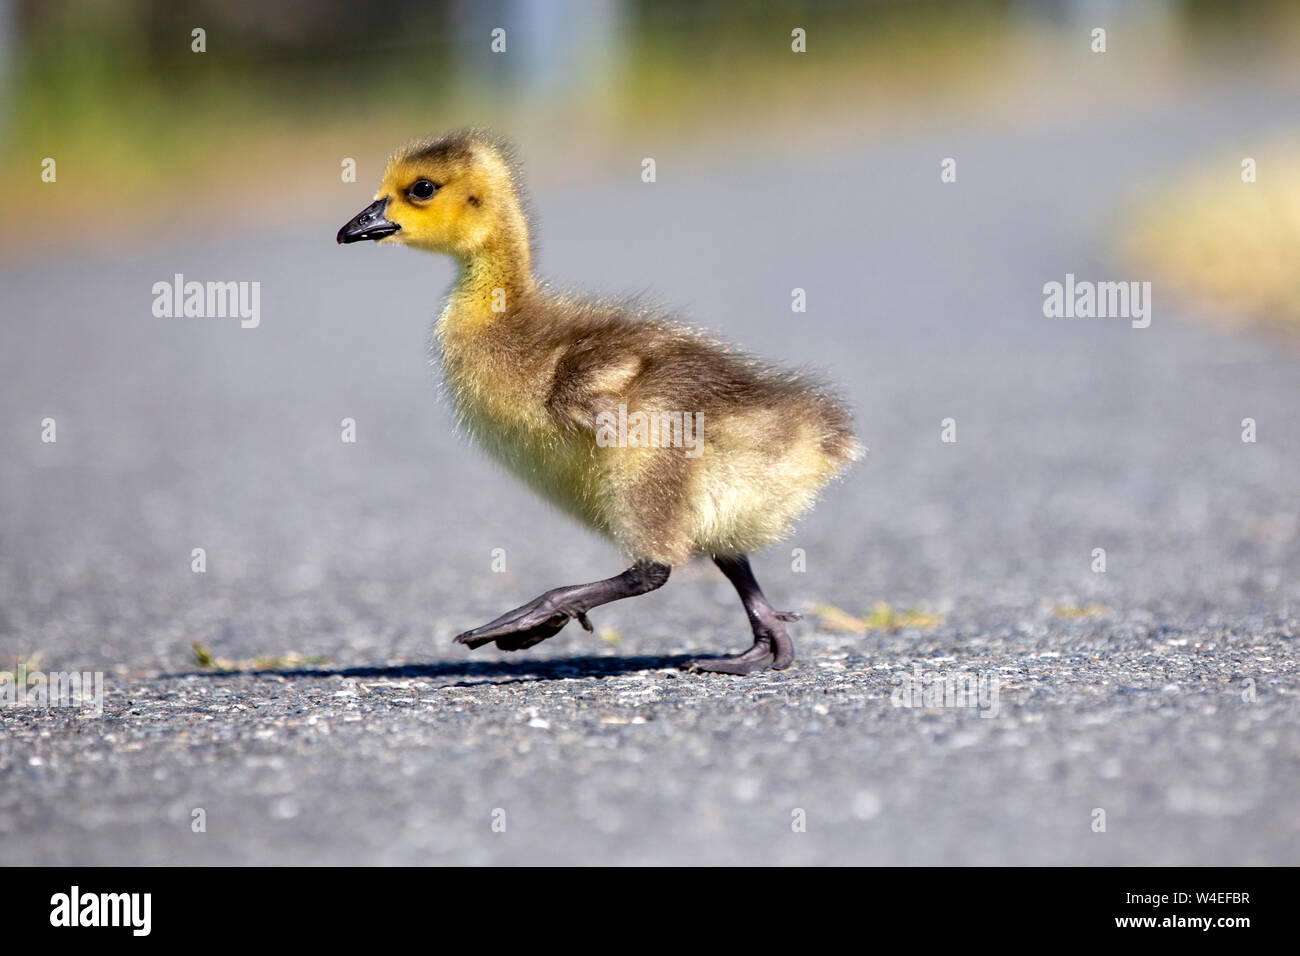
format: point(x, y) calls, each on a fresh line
point(519, 671)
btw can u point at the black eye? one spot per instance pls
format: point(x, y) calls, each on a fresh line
point(423, 189)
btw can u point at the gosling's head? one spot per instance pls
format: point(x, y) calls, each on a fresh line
point(455, 195)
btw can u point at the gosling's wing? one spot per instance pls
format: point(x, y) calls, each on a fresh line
point(643, 365)
point(590, 379)
point(651, 364)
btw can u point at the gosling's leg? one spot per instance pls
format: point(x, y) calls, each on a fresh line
point(546, 615)
point(772, 645)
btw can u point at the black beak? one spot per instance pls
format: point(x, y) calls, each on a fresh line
point(369, 223)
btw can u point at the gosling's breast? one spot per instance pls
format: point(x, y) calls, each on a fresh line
point(500, 402)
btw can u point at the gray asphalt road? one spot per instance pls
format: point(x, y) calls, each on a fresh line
point(1174, 711)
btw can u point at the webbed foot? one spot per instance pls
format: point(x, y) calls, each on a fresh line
point(545, 616)
point(525, 626)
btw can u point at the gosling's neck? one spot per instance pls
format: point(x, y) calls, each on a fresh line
point(490, 282)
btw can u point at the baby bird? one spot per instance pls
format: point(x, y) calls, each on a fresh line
point(667, 442)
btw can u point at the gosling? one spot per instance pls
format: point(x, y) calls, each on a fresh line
point(664, 440)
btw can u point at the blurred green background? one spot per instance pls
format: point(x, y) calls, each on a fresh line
point(160, 140)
